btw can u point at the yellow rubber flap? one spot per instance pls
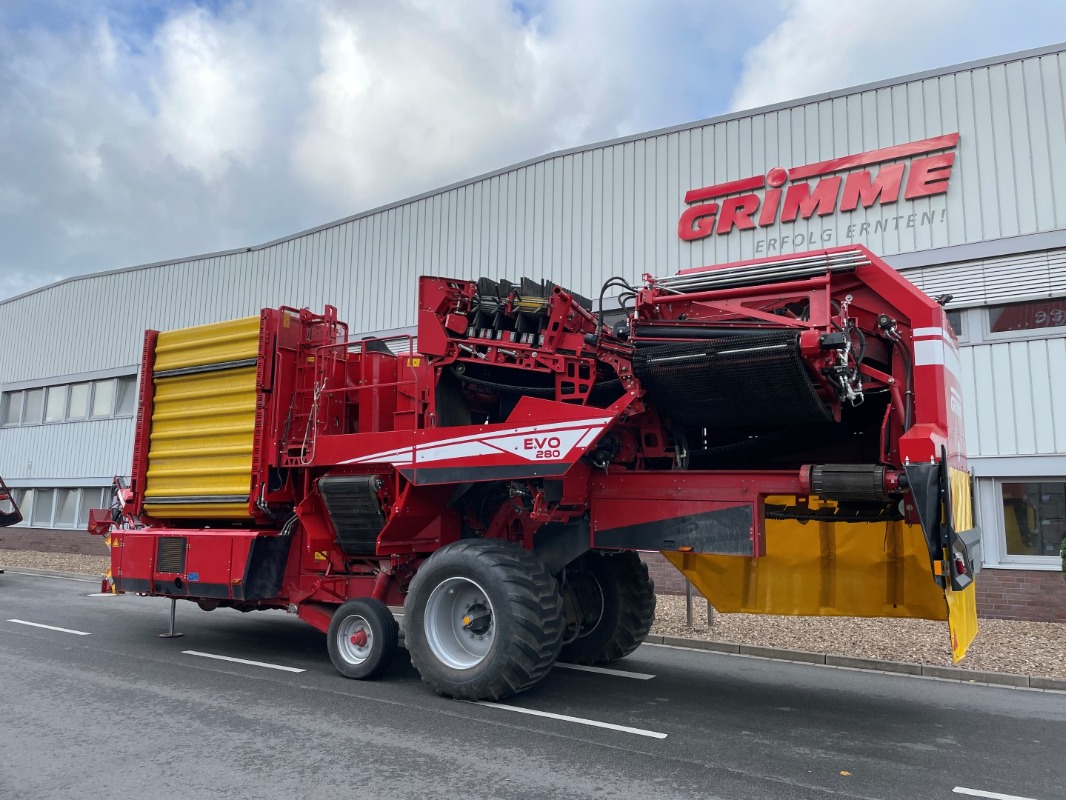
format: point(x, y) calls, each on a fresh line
point(853, 569)
point(961, 500)
point(962, 620)
point(201, 444)
point(863, 569)
point(218, 343)
point(203, 423)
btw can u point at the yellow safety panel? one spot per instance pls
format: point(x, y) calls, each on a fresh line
point(197, 510)
point(203, 424)
point(858, 569)
point(202, 435)
point(217, 343)
point(962, 619)
point(961, 501)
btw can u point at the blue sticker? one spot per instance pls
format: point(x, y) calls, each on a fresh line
point(193, 576)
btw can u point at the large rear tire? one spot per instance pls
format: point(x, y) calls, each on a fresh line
point(610, 607)
point(483, 620)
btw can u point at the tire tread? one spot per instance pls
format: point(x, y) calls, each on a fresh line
point(535, 609)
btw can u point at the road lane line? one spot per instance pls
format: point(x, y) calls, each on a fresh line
point(102, 594)
point(579, 720)
point(49, 627)
point(241, 661)
point(991, 795)
point(621, 673)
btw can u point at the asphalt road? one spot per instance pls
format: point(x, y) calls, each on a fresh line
point(120, 712)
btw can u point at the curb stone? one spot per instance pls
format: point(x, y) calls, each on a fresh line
point(870, 664)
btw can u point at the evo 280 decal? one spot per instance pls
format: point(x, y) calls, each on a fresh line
point(536, 443)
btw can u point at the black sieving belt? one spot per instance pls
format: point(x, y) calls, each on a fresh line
point(755, 379)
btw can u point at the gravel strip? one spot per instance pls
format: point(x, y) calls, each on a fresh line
point(56, 562)
point(1023, 648)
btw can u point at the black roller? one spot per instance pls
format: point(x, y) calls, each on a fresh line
point(353, 507)
point(849, 482)
point(757, 380)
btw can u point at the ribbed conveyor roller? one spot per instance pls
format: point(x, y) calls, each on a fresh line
point(758, 379)
point(353, 507)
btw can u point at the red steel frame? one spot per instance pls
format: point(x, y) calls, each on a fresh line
point(374, 414)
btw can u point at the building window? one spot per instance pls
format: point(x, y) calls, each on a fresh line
point(127, 397)
point(1031, 316)
point(56, 405)
point(103, 399)
point(34, 407)
point(78, 408)
point(12, 408)
point(955, 321)
point(66, 515)
point(1034, 517)
point(59, 508)
point(19, 496)
point(42, 508)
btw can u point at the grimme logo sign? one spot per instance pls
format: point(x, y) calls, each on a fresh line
point(815, 190)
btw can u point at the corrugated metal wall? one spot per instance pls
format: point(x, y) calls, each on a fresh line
point(92, 452)
point(1015, 394)
point(577, 218)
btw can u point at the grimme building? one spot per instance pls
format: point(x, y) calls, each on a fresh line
point(956, 176)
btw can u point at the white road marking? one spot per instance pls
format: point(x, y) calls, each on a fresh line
point(991, 795)
point(49, 627)
point(621, 673)
point(241, 661)
point(53, 577)
point(579, 720)
point(102, 594)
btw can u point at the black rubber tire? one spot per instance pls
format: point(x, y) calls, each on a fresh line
point(526, 619)
point(628, 609)
point(384, 638)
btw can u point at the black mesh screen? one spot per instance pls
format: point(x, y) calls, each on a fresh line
point(170, 554)
point(757, 379)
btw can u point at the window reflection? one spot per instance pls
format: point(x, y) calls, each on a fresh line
point(1034, 517)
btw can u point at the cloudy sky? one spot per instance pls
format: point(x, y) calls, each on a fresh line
point(134, 131)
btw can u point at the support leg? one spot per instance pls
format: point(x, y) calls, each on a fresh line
point(172, 634)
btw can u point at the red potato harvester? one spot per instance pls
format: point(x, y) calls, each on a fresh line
point(787, 432)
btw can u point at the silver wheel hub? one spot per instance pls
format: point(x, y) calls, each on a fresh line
point(459, 623)
point(355, 640)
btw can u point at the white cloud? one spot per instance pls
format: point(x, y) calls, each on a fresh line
point(139, 130)
point(134, 131)
point(822, 45)
point(416, 94)
point(208, 92)
point(402, 97)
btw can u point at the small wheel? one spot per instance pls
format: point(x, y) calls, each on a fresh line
point(483, 620)
point(362, 638)
point(610, 607)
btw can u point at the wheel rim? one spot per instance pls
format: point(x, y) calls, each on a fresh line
point(355, 639)
point(460, 623)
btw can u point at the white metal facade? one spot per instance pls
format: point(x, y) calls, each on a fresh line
point(578, 217)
